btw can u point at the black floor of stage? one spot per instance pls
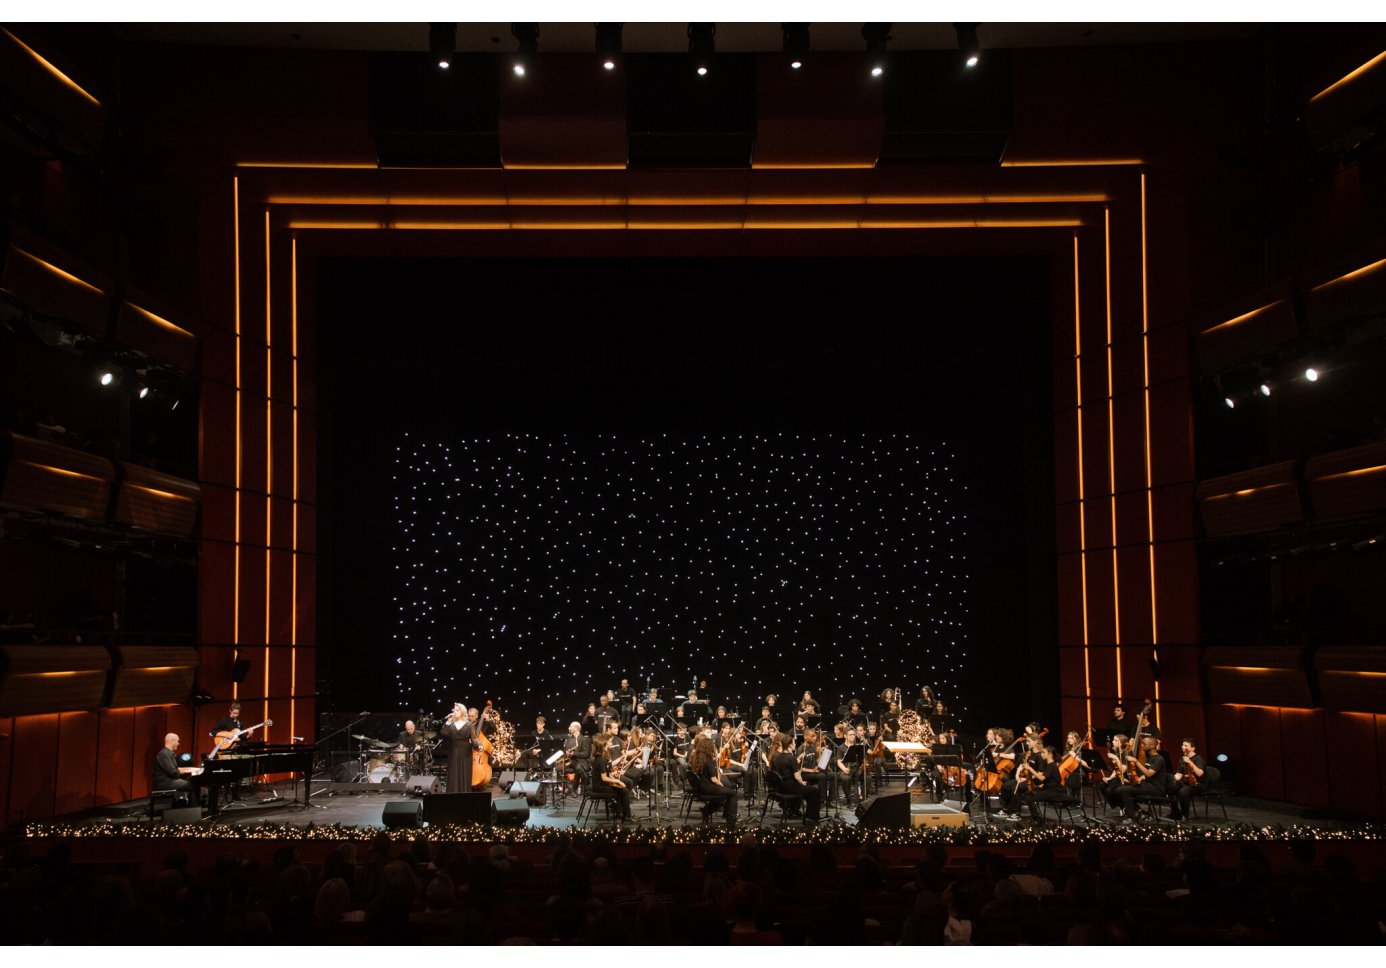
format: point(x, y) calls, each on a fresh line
point(364, 806)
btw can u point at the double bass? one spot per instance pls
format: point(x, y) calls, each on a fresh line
point(481, 752)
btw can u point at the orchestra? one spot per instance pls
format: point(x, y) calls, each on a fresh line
point(633, 743)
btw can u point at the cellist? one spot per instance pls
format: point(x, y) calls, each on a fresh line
point(1189, 772)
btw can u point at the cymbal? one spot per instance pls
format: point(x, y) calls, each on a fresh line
point(360, 737)
point(430, 734)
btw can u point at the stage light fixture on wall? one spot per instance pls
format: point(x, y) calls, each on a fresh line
point(1265, 389)
point(1311, 373)
point(442, 42)
point(609, 44)
point(967, 43)
point(527, 35)
point(796, 43)
point(876, 37)
point(702, 44)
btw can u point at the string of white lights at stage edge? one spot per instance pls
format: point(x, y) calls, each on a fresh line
point(538, 570)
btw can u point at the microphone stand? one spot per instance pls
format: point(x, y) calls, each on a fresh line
point(668, 762)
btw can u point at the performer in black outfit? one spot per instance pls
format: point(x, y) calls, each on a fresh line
point(603, 748)
point(625, 701)
point(540, 748)
point(1191, 770)
point(703, 764)
point(1155, 775)
point(410, 736)
point(166, 773)
point(1049, 786)
point(1119, 724)
point(458, 731)
point(229, 722)
point(786, 766)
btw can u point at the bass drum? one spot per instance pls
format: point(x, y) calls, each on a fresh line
point(381, 770)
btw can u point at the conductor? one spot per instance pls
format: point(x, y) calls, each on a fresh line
point(458, 730)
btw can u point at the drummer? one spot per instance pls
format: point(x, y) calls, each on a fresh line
point(410, 737)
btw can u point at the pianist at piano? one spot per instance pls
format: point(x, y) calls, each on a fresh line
point(167, 774)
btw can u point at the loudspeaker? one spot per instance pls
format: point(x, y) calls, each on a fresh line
point(444, 808)
point(508, 777)
point(402, 813)
point(529, 790)
point(888, 810)
point(182, 815)
point(422, 785)
point(511, 813)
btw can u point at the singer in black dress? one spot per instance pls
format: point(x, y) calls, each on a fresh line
point(459, 735)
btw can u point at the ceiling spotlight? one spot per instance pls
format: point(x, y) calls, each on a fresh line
point(442, 42)
point(144, 392)
point(528, 37)
point(1265, 389)
point(967, 43)
point(1311, 374)
point(796, 43)
point(1231, 404)
point(876, 37)
point(107, 378)
point(702, 45)
point(609, 44)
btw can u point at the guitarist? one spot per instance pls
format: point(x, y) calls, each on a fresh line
point(228, 723)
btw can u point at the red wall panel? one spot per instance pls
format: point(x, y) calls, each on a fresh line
point(151, 725)
point(33, 770)
point(1351, 739)
point(1304, 763)
point(1066, 456)
point(1176, 588)
point(282, 372)
point(283, 476)
point(1128, 369)
point(307, 599)
point(281, 665)
point(1071, 673)
point(1262, 773)
point(1174, 511)
point(1171, 433)
point(305, 672)
point(1128, 414)
point(1224, 731)
point(214, 598)
point(307, 528)
point(281, 597)
point(1133, 572)
point(253, 374)
point(1169, 354)
point(1074, 712)
point(1137, 680)
point(1181, 673)
point(1064, 375)
point(254, 437)
point(218, 513)
point(76, 775)
point(281, 523)
point(307, 455)
point(1067, 534)
point(252, 592)
point(254, 513)
point(1101, 618)
point(1180, 719)
point(115, 743)
point(1102, 669)
point(1070, 583)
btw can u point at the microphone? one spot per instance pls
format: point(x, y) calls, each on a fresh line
point(297, 738)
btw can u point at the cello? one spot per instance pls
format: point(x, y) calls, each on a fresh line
point(481, 752)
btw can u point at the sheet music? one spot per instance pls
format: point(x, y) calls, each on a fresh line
point(554, 759)
point(825, 757)
point(645, 758)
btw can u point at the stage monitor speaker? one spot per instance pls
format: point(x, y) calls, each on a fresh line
point(182, 815)
point(528, 789)
point(422, 785)
point(445, 808)
point(402, 813)
point(507, 777)
point(888, 810)
point(511, 813)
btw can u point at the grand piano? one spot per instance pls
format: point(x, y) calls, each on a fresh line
point(251, 761)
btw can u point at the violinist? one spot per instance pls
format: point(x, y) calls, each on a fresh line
point(851, 761)
point(702, 763)
point(1041, 783)
point(590, 725)
point(876, 754)
point(730, 753)
point(766, 725)
point(825, 779)
point(808, 706)
point(1116, 755)
point(1071, 765)
point(800, 728)
point(1189, 772)
point(609, 772)
point(776, 714)
point(723, 720)
point(1150, 778)
point(786, 767)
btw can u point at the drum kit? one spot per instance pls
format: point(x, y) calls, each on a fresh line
point(383, 762)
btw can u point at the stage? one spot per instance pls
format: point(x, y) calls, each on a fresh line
point(357, 811)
